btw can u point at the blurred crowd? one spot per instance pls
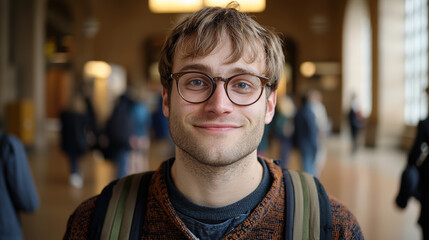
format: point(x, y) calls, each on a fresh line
point(302, 123)
point(124, 138)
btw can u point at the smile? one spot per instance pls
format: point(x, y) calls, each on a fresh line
point(214, 127)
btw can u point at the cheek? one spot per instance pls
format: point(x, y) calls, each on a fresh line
point(179, 108)
point(256, 115)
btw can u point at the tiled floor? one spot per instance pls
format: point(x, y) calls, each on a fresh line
point(365, 182)
point(368, 183)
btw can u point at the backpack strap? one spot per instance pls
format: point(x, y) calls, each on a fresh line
point(289, 205)
point(326, 221)
point(140, 208)
point(309, 209)
point(114, 215)
point(100, 209)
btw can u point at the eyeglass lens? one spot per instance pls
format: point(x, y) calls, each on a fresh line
point(242, 89)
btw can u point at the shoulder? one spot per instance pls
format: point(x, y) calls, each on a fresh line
point(79, 221)
point(12, 140)
point(345, 224)
point(12, 146)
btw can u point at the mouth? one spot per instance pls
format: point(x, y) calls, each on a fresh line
point(217, 127)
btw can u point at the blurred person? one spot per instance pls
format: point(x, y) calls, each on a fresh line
point(18, 192)
point(161, 133)
point(140, 139)
point(415, 181)
point(216, 187)
point(323, 127)
point(93, 131)
point(284, 127)
point(160, 122)
point(355, 119)
point(306, 135)
point(74, 125)
point(119, 131)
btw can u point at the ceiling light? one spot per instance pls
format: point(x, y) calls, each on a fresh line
point(181, 6)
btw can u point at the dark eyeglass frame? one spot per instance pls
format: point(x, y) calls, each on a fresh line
point(264, 83)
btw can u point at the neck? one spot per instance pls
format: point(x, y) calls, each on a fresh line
point(216, 186)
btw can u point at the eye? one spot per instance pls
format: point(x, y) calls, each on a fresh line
point(194, 82)
point(244, 84)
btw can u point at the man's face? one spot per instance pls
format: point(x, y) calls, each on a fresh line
point(217, 132)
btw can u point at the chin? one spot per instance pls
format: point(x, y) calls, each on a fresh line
point(221, 157)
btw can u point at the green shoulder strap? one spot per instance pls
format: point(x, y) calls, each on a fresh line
point(307, 216)
point(120, 218)
point(307, 212)
point(119, 215)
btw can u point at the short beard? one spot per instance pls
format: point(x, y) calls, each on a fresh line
point(217, 158)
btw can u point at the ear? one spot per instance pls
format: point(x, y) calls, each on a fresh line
point(271, 107)
point(165, 102)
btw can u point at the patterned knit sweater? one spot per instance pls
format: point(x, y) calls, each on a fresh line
point(265, 222)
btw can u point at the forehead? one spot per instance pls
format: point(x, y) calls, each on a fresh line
point(223, 53)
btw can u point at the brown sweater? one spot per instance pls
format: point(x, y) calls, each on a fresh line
point(265, 222)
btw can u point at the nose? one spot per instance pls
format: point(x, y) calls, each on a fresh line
point(219, 102)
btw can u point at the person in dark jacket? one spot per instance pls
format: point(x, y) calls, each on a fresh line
point(119, 131)
point(74, 125)
point(306, 136)
point(416, 182)
point(355, 120)
point(17, 190)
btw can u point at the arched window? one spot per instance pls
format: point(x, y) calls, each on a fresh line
point(416, 60)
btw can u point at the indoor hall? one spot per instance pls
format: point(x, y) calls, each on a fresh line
point(375, 49)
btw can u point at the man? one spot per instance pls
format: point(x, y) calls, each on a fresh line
point(323, 128)
point(355, 121)
point(119, 131)
point(306, 135)
point(75, 124)
point(219, 70)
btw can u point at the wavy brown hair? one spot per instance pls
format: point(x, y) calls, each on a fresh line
point(200, 33)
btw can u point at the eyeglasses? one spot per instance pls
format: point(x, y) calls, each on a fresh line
point(242, 89)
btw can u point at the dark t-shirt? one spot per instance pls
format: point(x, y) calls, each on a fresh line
point(214, 223)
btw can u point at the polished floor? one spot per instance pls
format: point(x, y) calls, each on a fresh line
point(366, 182)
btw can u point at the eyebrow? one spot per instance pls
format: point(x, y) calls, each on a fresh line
point(208, 70)
point(196, 67)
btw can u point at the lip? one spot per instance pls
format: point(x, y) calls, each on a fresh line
point(217, 127)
